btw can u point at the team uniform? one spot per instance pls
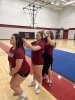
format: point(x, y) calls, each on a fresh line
point(37, 56)
point(48, 58)
point(19, 53)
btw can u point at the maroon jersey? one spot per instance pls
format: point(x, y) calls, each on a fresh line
point(49, 49)
point(18, 53)
point(37, 56)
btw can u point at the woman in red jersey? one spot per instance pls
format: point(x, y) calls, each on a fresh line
point(19, 68)
point(48, 55)
point(37, 48)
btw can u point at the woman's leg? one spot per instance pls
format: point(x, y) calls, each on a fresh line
point(49, 75)
point(33, 72)
point(15, 94)
point(34, 79)
point(38, 76)
point(46, 65)
point(38, 73)
point(15, 84)
point(50, 71)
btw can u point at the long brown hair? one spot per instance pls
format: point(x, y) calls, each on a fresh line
point(51, 34)
point(41, 34)
point(19, 41)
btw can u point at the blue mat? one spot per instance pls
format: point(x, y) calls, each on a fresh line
point(28, 52)
point(63, 64)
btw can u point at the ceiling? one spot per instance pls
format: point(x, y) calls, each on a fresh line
point(55, 4)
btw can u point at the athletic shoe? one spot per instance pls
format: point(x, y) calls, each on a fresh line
point(49, 82)
point(15, 94)
point(37, 90)
point(23, 98)
point(32, 84)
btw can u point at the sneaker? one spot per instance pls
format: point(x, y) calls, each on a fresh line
point(36, 86)
point(32, 84)
point(23, 98)
point(49, 82)
point(15, 94)
point(37, 90)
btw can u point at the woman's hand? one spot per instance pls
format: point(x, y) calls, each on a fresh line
point(11, 73)
point(46, 35)
point(24, 40)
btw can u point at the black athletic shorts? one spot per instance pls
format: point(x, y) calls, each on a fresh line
point(24, 75)
point(48, 60)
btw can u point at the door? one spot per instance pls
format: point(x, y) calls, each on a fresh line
point(65, 34)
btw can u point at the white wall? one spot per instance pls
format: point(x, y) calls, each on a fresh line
point(6, 32)
point(67, 17)
point(67, 20)
point(48, 18)
point(71, 34)
point(11, 13)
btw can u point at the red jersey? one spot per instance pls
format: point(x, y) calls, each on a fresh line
point(49, 49)
point(37, 56)
point(18, 53)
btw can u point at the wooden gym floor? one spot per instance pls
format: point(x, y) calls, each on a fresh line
point(6, 92)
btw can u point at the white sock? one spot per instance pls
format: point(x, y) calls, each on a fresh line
point(37, 85)
point(23, 95)
point(49, 81)
point(33, 81)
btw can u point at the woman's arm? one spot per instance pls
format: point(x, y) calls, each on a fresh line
point(10, 66)
point(17, 67)
point(50, 41)
point(26, 45)
point(33, 48)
